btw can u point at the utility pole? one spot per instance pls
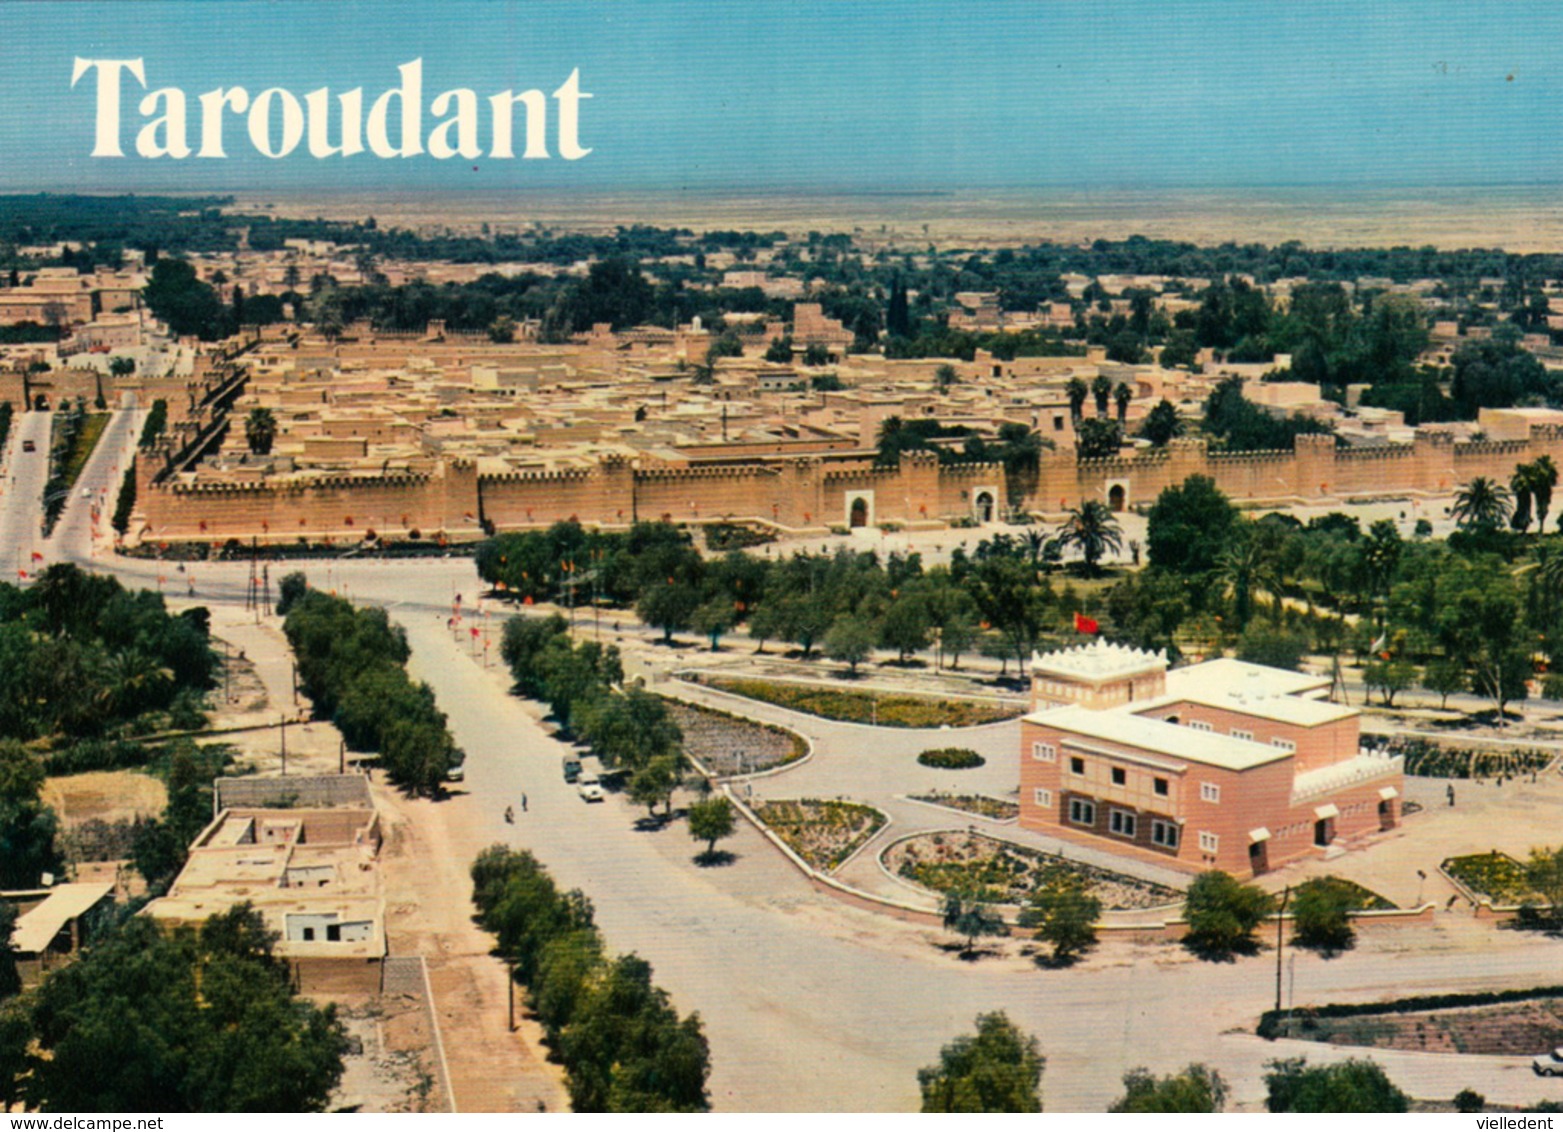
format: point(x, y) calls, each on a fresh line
point(1280, 935)
point(282, 728)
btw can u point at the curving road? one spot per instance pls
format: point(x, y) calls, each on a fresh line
point(810, 1005)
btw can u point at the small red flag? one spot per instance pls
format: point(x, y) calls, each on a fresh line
point(22, 574)
point(475, 632)
point(527, 600)
point(1084, 624)
point(37, 557)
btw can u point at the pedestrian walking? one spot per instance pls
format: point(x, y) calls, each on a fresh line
point(1451, 793)
point(523, 803)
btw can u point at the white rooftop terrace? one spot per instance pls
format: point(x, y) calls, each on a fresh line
point(1171, 740)
point(1097, 662)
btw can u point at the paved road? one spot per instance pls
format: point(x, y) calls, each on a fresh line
point(22, 478)
point(811, 1005)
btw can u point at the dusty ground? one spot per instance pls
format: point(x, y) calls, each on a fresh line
point(104, 795)
point(391, 1069)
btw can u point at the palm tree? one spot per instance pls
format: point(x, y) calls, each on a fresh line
point(1092, 528)
point(1520, 485)
point(1544, 477)
point(1101, 389)
point(1122, 395)
point(260, 429)
point(1078, 391)
point(1481, 503)
point(1239, 569)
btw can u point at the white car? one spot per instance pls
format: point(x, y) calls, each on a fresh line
point(86, 493)
point(1548, 1064)
point(590, 791)
point(457, 773)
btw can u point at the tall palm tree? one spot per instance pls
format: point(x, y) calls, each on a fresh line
point(1092, 528)
point(1481, 503)
point(1122, 395)
point(1520, 484)
point(1102, 390)
point(1239, 569)
point(1078, 391)
point(1544, 478)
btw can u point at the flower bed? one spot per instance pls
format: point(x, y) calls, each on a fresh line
point(1004, 873)
point(951, 758)
point(996, 808)
point(1497, 876)
point(867, 707)
point(1428, 759)
point(727, 744)
point(824, 834)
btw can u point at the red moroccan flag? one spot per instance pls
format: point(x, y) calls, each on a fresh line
point(1084, 624)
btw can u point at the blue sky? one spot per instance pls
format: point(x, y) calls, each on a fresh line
point(763, 95)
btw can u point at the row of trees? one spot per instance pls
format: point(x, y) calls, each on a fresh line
point(186, 1019)
point(999, 1069)
point(351, 664)
point(628, 728)
point(623, 1045)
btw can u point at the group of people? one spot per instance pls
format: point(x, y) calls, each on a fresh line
point(510, 811)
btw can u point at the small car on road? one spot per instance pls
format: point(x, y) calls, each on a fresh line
point(590, 791)
point(29, 446)
point(1548, 1064)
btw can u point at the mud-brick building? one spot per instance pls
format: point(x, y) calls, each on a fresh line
point(1222, 765)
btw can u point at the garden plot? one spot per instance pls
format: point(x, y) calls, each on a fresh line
point(984, 806)
point(824, 834)
point(1000, 872)
point(727, 745)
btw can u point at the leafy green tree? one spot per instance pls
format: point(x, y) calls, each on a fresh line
point(10, 978)
point(780, 351)
point(260, 431)
point(1469, 1100)
point(1097, 438)
point(669, 606)
point(1223, 913)
point(1390, 677)
point(1321, 915)
point(945, 376)
point(713, 618)
point(1356, 1085)
point(906, 625)
point(27, 826)
point(502, 329)
point(710, 821)
point(188, 1020)
point(1444, 676)
point(1064, 914)
point(15, 1037)
point(968, 916)
point(1189, 527)
point(1180, 350)
point(1162, 423)
point(1091, 529)
point(815, 354)
point(653, 782)
point(850, 640)
point(1544, 876)
point(1197, 1089)
point(997, 1069)
point(1277, 648)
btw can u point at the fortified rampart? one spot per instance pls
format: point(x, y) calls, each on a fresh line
point(817, 491)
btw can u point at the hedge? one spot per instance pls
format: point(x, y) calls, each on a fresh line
point(1270, 1021)
point(952, 758)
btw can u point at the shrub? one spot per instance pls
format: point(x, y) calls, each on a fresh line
point(951, 758)
point(1222, 913)
point(866, 707)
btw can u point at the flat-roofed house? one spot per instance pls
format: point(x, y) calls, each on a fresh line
point(1222, 765)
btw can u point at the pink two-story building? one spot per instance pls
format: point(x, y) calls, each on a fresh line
point(1222, 765)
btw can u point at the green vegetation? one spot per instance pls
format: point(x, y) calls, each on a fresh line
point(823, 834)
point(999, 871)
point(156, 423)
point(351, 664)
point(181, 1020)
point(1223, 914)
point(710, 821)
point(81, 657)
point(996, 808)
point(1321, 913)
point(1197, 1089)
point(1064, 914)
point(887, 710)
point(1346, 1086)
point(5, 421)
point(160, 846)
point(1303, 1022)
point(125, 501)
point(1430, 759)
point(951, 758)
point(631, 730)
point(1495, 875)
point(967, 915)
point(997, 1069)
point(75, 434)
point(623, 1046)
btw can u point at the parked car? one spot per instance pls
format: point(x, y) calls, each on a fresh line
point(590, 791)
point(457, 773)
point(1548, 1064)
point(29, 446)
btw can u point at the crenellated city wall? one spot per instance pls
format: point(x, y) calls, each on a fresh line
point(797, 492)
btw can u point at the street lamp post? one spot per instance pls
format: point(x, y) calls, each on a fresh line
point(1280, 936)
